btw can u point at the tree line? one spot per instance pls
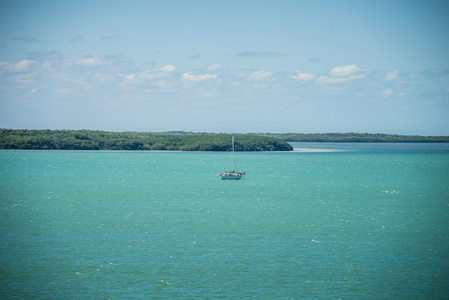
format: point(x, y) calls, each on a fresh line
point(183, 141)
point(325, 137)
point(357, 137)
point(102, 140)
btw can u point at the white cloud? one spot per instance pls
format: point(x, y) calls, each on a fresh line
point(392, 75)
point(342, 74)
point(21, 66)
point(259, 75)
point(303, 76)
point(63, 91)
point(192, 77)
point(31, 92)
point(168, 68)
point(387, 93)
point(164, 84)
point(147, 74)
point(332, 80)
point(150, 73)
point(345, 71)
point(24, 79)
point(90, 61)
point(214, 67)
point(130, 76)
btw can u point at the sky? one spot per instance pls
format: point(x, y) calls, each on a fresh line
point(240, 66)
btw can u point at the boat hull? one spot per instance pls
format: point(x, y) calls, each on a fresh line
point(230, 177)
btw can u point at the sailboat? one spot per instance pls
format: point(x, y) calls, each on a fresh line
point(234, 175)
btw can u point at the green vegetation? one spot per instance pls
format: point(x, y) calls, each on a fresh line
point(356, 137)
point(183, 141)
point(101, 140)
point(325, 137)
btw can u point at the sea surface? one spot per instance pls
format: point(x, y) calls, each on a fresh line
point(326, 221)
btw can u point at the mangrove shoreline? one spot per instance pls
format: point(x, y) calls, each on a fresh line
point(184, 141)
point(103, 140)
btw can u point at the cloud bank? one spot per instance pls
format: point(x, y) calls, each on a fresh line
point(74, 91)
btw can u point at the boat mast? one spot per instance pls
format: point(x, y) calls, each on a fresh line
point(233, 155)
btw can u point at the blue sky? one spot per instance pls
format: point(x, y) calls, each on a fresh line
point(226, 66)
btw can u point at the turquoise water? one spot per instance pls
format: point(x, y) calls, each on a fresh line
point(328, 221)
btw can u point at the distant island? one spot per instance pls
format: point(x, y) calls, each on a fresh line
point(350, 137)
point(184, 141)
point(356, 138)
point(103, 140)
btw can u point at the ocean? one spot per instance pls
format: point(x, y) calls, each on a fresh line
point(326, 221)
